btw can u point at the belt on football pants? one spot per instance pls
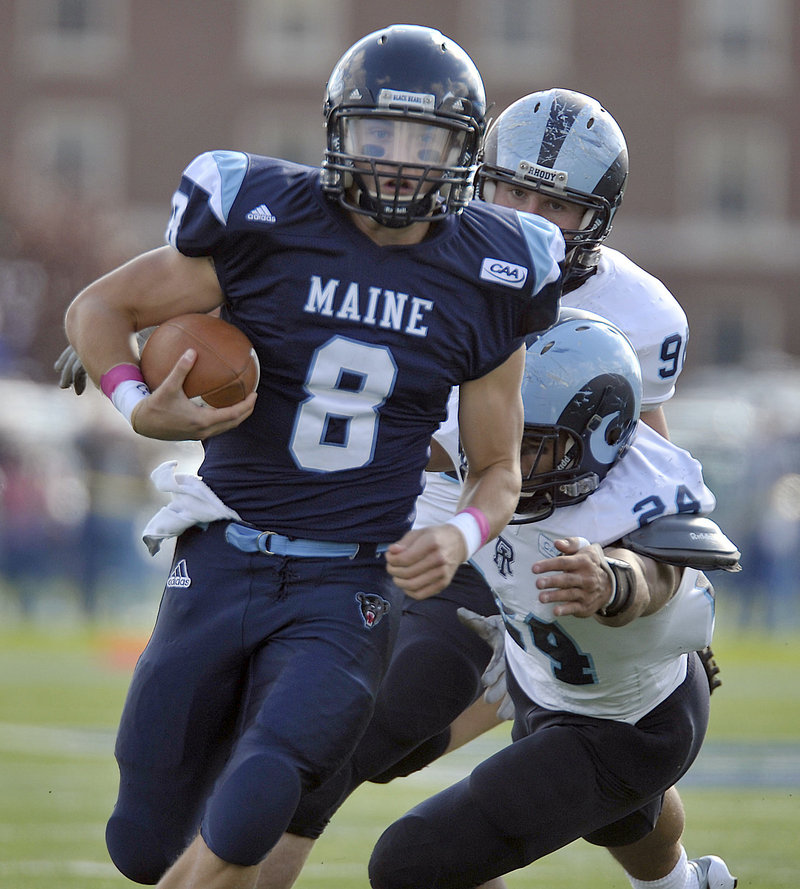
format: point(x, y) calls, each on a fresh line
point(251, 540)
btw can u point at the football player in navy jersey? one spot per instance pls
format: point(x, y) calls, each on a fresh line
point(368, 288)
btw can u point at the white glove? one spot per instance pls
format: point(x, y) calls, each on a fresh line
point(492, 630)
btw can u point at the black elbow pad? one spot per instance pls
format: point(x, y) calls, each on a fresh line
point(687, 541)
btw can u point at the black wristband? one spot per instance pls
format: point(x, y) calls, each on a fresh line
point(623, 576)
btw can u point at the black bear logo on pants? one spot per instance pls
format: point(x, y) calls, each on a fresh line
point(373, 607)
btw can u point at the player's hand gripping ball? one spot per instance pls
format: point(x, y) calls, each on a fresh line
point(226, 370)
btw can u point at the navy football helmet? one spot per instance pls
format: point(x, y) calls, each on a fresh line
point(404, 113)
point(582, 394)
point(563, 144)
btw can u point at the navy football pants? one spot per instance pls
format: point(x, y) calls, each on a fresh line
point(434, 674)
point(564, 777)
point(258, 680)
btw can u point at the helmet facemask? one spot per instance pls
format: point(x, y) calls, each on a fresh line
point(551, 458)
point(581, 244)
point(405, 112)
point(400, 168)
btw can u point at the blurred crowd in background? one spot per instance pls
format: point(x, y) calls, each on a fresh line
point(74, 496)
point(73, 478)
point(743, 424)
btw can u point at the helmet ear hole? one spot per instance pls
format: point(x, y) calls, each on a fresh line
point(588, 219)
point(487, 189)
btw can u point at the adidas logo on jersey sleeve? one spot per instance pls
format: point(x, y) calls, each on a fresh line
point(179, 576)
point(261, 213)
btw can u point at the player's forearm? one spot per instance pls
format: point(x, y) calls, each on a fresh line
point(100, 336)
point(653, 585)
point(143, 292)
point(495, 492)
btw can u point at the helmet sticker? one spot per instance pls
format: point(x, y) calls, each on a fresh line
point(421, 101)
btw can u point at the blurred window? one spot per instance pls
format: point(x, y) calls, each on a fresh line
point(735, 169)
point(737, 323)
point(80, 144)
point(301, 39)
point(738, 44)
point(517, 40)
point(300, 137)
point(72, 37)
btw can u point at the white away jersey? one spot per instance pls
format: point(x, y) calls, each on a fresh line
point(578, 664)
point(642, 307)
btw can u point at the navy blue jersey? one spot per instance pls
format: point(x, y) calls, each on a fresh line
point(359, 344)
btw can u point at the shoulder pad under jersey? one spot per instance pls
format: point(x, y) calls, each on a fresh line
point(685, 540)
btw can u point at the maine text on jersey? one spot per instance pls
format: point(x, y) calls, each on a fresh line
point(385, 308)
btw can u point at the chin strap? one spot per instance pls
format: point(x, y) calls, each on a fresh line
point(579, 267)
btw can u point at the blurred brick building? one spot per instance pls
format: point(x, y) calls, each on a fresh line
point(103, 102)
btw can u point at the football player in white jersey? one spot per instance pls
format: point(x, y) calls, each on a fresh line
point(610, 694)
point(559, 154)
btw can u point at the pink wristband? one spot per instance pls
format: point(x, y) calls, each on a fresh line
point(483, 522)
point(118, 374)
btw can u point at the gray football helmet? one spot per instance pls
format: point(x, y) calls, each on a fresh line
point(564, 144)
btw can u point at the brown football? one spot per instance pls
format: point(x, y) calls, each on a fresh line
point(226, 369)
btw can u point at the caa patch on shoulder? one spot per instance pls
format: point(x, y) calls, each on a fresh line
point(498, 271)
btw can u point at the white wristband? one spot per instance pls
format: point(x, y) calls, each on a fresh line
point(127, 395)
point(470, 529)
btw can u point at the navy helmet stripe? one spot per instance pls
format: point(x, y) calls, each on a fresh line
point(563, 114)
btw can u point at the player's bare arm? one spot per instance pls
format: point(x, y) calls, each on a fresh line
point(424, 560)
point(147, 290)
point(168, 415)
point(490, 421)
point(657, 420)
point(582, 584)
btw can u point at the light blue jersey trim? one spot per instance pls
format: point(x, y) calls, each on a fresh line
point(448, 478)
point(220, 175)
point(545, 252)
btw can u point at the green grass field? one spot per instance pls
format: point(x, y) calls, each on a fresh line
point(61, 693)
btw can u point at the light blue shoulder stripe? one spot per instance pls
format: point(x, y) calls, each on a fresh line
point(545, 245)
point(220, 175)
